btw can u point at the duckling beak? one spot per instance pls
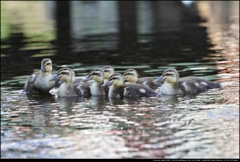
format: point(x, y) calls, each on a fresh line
point(86, 79)
point(107, 83)
point(55, 77)
point(42, 69)
point(159, 79)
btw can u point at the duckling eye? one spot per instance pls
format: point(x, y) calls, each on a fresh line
point(106, 70)
point(48, 64)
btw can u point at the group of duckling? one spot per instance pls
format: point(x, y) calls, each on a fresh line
point(105, 82)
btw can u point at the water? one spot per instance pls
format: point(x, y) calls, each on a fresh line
point(87, 35)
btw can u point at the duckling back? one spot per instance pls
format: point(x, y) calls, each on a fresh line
point(39, 83)
point(189, 85)
point(83, 89)
point(118, 88)
point(138, 90)
point(131, 76)
point(196, 85)
point(149, 82)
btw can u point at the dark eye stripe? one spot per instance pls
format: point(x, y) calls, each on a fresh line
point(106, 70)
point(129, 74)
point(168, 74)
point(67, 73)
point(98, 74)
point(113, 78)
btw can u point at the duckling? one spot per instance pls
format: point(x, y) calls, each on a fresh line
point(71, 85)
point(188, 85)
point(39, 82)
point(131, 76)
point(108, 71)
point(119, 89)
point(97, 76)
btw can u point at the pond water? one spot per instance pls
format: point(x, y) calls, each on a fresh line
point(87, 35)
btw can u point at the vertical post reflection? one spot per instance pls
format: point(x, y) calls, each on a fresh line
point(127, 26)
point(63, 25)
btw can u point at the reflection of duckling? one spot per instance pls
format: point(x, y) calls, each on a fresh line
point(97, 76)
point(39, 81)
point(71, 86)
point(188, 85)
point(119, 89)
point(131, 76)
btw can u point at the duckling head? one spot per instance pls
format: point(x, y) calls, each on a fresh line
point(46, 65)
point(108, 71)
point(130, 75)
point(97, 75)
point(170, 75)
point(117, 80)
point(67, 75)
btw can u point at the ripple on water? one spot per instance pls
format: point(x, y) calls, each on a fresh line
point(143, 128)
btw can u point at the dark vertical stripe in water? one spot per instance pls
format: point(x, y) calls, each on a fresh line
point(63, 26)
point(127, 27)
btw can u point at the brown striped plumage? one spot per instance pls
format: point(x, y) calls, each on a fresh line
point(119, 89)
point(39, 82)
point(189, 85)
point(131, 76)
point(97, 76)
point(71, 85)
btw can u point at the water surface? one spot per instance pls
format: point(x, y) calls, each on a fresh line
point(87, 35)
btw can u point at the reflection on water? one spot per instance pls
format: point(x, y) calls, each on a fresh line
point(100, 33)
point(166, 127)
point(86, 35)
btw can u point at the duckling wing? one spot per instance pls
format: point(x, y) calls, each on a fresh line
point(78, 80)
point(106, 90)
point(116, 92)
point(149, 82)
point(196, 85)
point(208, 84)
point(82, 89)
point(29, 84)
point(135, 90)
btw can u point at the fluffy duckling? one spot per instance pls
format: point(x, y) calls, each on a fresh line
point(97, 76)
point(71, 85)
point(189, 85)
point(39, 82)
point(119, 89)
point(108, 71)
point(131, 76)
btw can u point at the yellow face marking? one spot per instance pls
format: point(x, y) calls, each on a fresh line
point(97, 75)
point(66, 74)
point(131, 76)
point(170, 77)
point(116, 80)
point(108, 71)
